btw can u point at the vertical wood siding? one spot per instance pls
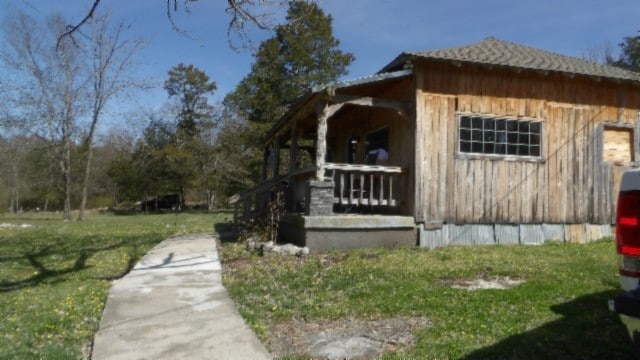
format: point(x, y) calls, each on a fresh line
point(571, 184)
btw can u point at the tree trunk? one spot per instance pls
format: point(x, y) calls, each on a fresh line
point(66, 173)
point(85, 184)
point(211, 200)
point(66, 156)
point(87, 166)
point(15, 192)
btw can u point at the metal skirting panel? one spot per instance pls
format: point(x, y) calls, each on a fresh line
point(483, 234)
point(531, 234)
point(489, 234)
point(433, 238)
point(553, 232)
point(595, 232)
point(507, 234)
point(460, 234)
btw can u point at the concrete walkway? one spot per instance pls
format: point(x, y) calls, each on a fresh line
point(172, 305)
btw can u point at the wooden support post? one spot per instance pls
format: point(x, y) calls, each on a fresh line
point(293, 149)
point(265, 164)
point(322, 112)
point(275, 158)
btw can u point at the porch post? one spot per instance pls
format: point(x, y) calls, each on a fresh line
point(322, 112)
point(265, 163)
point(292, 198)
point(275, 157)
point(293, 150)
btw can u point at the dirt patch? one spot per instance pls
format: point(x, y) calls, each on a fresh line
point(10, 226)
point(496, 282)
point(351, 339)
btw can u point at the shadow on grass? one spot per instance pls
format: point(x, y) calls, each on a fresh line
point(45, 269)
point(587, 330)
point(226, 232)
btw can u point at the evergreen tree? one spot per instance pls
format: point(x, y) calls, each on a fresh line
point(630, 54)
point(191, 86)
point(302, 53)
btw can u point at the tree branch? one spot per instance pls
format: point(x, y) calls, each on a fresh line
point(74, 28)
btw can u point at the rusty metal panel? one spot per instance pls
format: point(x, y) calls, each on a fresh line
point(507, 234)
point(575, 233)
point(531, 234)
point(595, 232)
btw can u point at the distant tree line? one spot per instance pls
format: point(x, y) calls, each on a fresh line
point(201, 152)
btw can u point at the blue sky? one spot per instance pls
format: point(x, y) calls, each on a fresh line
point(376, 31)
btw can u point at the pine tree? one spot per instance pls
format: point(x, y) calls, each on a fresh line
point(303, 53)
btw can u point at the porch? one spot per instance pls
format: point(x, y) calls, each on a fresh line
point(339, 165)
point(354, 206)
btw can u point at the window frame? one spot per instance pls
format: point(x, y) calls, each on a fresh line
point(514, 135)
point(616, 126)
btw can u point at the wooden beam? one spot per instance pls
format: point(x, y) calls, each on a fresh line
point(400, 106)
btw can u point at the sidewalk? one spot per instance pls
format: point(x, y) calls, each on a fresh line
point(172, 305)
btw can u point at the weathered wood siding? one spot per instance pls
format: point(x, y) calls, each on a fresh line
point(572, 183)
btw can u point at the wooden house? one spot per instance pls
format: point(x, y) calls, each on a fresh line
point(492, 142)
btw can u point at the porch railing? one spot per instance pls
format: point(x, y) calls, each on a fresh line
point(355, 186)
point(365, 185)
point(254, 203)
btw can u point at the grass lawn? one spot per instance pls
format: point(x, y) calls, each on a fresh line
point(55, 275)
point(560, 311)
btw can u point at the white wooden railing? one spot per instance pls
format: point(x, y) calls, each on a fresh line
point(365, 185)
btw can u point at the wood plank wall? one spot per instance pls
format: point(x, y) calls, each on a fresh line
point(570, 184)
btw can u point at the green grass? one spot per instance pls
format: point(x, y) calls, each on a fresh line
point(559, 312)
point(55, 275)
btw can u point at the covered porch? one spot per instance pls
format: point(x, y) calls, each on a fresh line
point(339, 166)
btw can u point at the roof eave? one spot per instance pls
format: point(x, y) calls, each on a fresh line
point(318, 90)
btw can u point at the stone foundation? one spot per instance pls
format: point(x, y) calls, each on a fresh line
point(320, 233)
point(319, 198)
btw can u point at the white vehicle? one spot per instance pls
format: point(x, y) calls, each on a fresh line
point(627, 303)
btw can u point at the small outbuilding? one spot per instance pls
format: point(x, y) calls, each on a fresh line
point(492, 142)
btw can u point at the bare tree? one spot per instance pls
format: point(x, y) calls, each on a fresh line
point(52, 84)
point(603, 54)
point(111, 56)
point(242, 13)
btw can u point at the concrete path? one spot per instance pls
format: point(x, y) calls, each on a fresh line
point(172, 305)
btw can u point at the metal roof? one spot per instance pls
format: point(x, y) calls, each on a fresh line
point(381, 76)
point(496, 52)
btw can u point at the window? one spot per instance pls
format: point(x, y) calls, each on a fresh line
point(617, 144)
point(377, 146)
point(498, 136)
